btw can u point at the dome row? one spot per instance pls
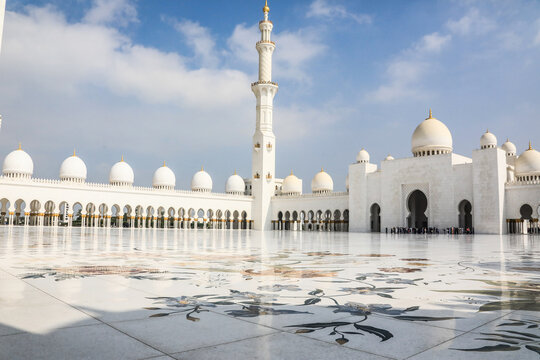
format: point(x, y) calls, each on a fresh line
point(18, 164)
point(432, 137)
point(322, 183)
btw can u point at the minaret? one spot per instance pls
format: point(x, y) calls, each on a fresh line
point(264, 146)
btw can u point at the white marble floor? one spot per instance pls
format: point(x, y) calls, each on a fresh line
point(205, 294)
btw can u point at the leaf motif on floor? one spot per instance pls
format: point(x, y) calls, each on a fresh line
point(383, 334)
point(499, 347)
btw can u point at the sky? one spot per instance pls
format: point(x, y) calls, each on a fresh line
point(169, 80)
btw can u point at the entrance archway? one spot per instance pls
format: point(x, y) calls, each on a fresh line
point(526, 212)
point(375, 218)
point(417, 204)
point(465, 216)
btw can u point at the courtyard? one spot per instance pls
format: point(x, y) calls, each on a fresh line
point(220, 294)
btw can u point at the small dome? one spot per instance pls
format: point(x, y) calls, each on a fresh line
point(431, 137)
point(509, 148)
point(201, 181)
point(528, 164)
point(73, 169)
point(18, 164)
point(235, 185)
point(363, 156)
point(347, 182)
point(121, 174)
point(164, 178)
point(389, 157)
point(322, 183)
point(488, 140)
point(291, 185)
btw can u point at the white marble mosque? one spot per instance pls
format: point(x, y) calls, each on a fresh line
point(106, 271)
point(495, 191)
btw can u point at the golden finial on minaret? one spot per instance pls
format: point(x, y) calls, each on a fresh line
point(20, 147)
point(266, 8)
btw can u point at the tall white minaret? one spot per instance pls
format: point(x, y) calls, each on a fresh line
point(264, 141)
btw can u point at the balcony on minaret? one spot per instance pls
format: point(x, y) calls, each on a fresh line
point(264, 83)
point(257, 176)
point(269, 146)
point(269, 176)
point(265, 42)
point(257, 146)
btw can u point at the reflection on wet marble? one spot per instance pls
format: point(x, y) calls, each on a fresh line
point(213, 294)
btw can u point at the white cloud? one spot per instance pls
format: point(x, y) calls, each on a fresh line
point(119, 12)
point(402, 77)
point(241, 42)
point(405, 71)
point(432, 43)
point(200, 39)
point(297, 121)
point(321, 8)
point(472, 23)
point(107, 95)
point(81, 54)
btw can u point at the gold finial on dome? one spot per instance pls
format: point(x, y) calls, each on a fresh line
point(487, 131)
point(20, 147)
point(530, 146)
point(292, 172)
point(322, 169)
point(74, 152)
point(122, 158)
point(266, 8)
point(202, 168)
point(430, 114)
point(234, 172)
point(164, 165)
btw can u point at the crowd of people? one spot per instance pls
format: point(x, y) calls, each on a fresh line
point(429, 230)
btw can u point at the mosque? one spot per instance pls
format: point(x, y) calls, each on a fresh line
point(496, 191)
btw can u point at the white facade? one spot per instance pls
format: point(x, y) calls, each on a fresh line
point(494, 191)
point(435, 190)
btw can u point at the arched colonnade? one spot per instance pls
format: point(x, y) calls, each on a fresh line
point(48, 213)
point(312, 220)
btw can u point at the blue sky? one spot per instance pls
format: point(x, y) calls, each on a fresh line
point(169, 80)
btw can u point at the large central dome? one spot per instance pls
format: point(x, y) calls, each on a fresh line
point(431, 137)
point(528, 165)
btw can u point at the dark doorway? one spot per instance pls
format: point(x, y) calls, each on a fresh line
point(375, 218)
point(465, 216)
point(417, 204)
point(526, 212)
